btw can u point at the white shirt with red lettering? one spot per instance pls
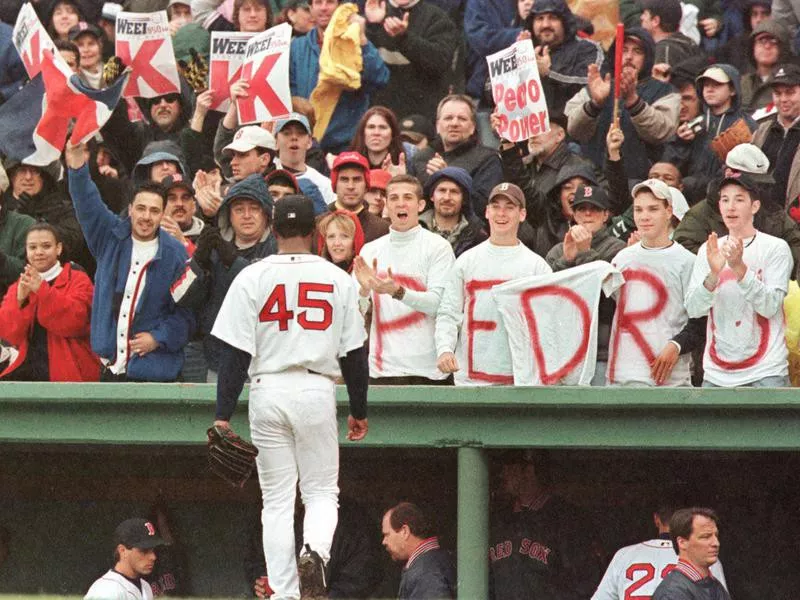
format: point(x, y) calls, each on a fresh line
point(552, 323)
point(744, 335)
point(635, 571)
point(292, 310)
point(650, 312)
point(468, 322)
point(401, 339)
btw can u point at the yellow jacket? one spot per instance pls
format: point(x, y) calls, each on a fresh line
point(340, 65)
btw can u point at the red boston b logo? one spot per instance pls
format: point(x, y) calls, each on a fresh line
point(150, 529)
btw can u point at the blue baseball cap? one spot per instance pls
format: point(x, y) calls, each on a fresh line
point(293, 118)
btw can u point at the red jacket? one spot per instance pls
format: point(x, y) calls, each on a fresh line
point(63, 308)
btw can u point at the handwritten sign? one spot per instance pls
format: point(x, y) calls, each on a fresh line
point(517, 92)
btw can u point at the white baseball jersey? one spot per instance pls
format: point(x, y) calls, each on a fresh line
point(744, 335)
point(468, 322)
point(551, 322)
point(650, 312)
point(113, 586)
point(401, 339)
point(635, 571)
point(292, 310)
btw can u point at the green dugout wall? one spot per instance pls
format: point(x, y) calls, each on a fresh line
point(467, 422)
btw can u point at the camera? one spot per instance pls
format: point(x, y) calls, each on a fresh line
point(696, 125)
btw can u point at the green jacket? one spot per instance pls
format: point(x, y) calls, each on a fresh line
point(13, 228)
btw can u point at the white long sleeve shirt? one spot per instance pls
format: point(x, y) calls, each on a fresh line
point(402, 331)
point(468, 322)
point(650, 312)
point(745, 331)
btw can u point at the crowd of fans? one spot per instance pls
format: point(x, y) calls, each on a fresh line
point(115, 260)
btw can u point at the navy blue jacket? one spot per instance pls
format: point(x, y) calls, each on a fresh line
point(490, 26)
point(109, 239)
point(430, 577)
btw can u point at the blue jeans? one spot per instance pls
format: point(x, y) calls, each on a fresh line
point(773, 381)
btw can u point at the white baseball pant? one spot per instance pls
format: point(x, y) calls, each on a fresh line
point(293, 424)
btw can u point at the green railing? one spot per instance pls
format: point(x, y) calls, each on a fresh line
point(469, 419)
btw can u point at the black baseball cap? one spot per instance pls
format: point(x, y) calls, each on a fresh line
point(591, 194)
point(414, 128)
point(787, 74)
point(745, 180)
point(177, 180)
point(137, 533)
point(295, 213)
point(82, 28)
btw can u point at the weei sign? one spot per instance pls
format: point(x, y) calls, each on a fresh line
point(144, 44)
point(31, 40)
point(266, 69)
point(225, 65)
point(517, 92)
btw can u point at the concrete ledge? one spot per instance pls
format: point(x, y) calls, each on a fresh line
point(557, 417)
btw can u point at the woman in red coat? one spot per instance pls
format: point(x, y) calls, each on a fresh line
point(45, 315)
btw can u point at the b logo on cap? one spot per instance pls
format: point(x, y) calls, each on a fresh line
point(150, 529)
point(239, 134)
point(587, 192)
point(503, 187)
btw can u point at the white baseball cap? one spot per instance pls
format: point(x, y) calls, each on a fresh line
point(249, 137)
point(747, 158)
point(658, 188)
point(110, 11)
point(661, 190)
point(679, 204)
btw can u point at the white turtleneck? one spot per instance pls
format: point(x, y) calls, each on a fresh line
point(52, 272)
point(401, 333)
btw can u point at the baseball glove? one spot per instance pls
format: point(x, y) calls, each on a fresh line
point(196, 71)
point(738, 133)
point(113, 70)
point(229, 456)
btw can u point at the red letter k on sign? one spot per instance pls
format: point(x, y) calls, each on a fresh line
point(143, 68)
point(260, 88)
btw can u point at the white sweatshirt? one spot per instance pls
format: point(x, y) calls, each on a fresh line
point(656, 282)
point(744, 336)
point(468, 322)
point(401, 340)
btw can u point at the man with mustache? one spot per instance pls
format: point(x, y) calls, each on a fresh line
point(562, 57)
point(165, 118)
point(179, 218)
point(648, 108)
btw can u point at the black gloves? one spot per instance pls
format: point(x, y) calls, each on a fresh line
point(211, 239)
point(208, 239)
